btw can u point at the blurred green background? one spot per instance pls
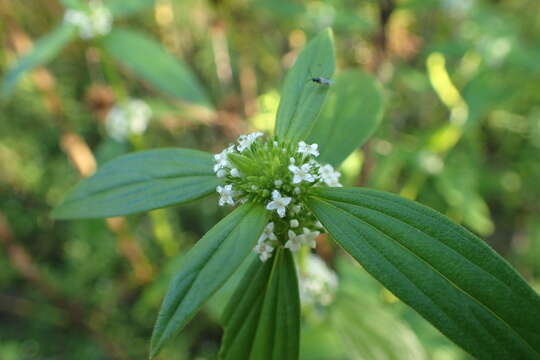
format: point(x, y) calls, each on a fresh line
point(460, 133)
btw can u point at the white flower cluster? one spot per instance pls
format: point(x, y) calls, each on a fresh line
point(94, 22)
point(280, 176)
point(317, 282)
point(129, 117)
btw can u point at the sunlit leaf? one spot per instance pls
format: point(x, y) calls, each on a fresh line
point(43, 51)
point(351, 114)
point(141, 181)
point(301, 98)
point(440, 269)
point(206, 268)
point(262, 320)
point(148, 60)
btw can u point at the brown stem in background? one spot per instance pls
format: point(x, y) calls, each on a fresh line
point(386, 9)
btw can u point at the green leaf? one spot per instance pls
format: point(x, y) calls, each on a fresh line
point(444, 272)
point(44, 50)
point(351, 114)
point(75, 4)
point(207, 266)
point(141, 181)
point(301, 98)
point(152, 63)
point(262, 320)
point(120, 8)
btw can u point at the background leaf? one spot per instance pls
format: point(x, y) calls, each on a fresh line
point(351, 114)
point(44, 50)
point(206, 268)
point(301, 98)
point(441, 270)
point(141, 181)
point(262, 320)
point(148, 60)
point(121, 8)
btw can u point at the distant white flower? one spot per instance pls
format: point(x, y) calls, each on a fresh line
point(278, 183)
point(307, 149)
point(278, 203)
point(295, 241)
point(130, 117)
point(296, 209)
point(97, 21)
point(318, 224)
point(317, 282)
point(294, 223)
point(301, 173)
point(308, 237)
point(329, 176)
point(245, 141)
point(226, 195)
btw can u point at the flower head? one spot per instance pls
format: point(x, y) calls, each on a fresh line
point(94, 22)
point(280, 176)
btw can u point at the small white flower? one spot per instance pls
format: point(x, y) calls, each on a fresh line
point(278, 183)
point(264, 250)
point(295, 241)
point(308, 237)
point(294, 223)
point(301, 173)
point(222, 159)
point(292, 161)
point(278, 203)
point(296, 209)
point(221, 173)
point(307, 149)
point(268, 233)
point(297, 190)
point(235, 172)
point(245, 141)
point(329, 176)
point(253, 187)
point(226, 195)
point(318, 224)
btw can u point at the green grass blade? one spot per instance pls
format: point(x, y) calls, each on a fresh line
point(44, 50)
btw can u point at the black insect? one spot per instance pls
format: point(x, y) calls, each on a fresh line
point(321, 81)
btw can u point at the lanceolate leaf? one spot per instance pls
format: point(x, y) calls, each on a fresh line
point(141, 181)
point(440, 269)
point(44, 50)
point(262, 320)
point(350, 115)
point(301, 98)
point(208, 265)
point(148, 60)
point(121, 8)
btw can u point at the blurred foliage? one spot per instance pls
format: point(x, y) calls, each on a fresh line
point(461, 134)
